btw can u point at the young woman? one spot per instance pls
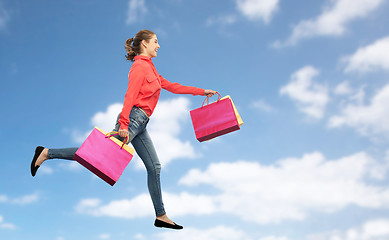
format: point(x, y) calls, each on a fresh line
point(142, 95)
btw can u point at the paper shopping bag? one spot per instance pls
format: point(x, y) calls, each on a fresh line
point(238, 117)
point(215, 119)
point(104, 155)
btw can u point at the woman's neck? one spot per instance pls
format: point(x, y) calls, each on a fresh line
point(145, 55)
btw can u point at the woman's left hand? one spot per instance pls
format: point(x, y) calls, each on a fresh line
point(209, 92)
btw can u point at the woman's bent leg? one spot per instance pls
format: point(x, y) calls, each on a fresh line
point(145, 149)
point(62, 153)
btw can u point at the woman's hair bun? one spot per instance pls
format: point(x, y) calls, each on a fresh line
point(129, 41)
point(130, 49)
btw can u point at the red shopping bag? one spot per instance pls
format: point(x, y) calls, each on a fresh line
point(103, 155)
point(215, 119)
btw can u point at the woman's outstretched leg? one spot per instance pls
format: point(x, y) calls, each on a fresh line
point(42, 154)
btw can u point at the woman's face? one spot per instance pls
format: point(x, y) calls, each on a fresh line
point(151, 47)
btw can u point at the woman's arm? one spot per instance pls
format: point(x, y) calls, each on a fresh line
point(181, 89)
point(135, 81)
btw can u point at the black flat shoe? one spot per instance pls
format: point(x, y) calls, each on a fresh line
point(162, 224)
point(34, 168)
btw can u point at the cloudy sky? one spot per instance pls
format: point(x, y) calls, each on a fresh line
point(309, 78)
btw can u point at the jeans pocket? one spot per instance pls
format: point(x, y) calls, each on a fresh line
point(138, 119)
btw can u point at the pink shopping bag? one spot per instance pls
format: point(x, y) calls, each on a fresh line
point(215, 119)
point(105, 156)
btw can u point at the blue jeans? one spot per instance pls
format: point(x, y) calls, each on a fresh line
point(144, 147)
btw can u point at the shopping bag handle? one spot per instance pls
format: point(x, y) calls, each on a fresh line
point(115, 133)
point(207, 99)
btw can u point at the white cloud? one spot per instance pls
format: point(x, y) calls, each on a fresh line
point(290, 189)
point(44, 169)
point(293, 187)
point(5, 225)
point(368, 119)
point(104, 236)
point(139, 236)
point(3, 198)
point(311, 98)
point(79, 137)
point(274, 238)
point(72, 166)
point(141, 206)
point(216, 233)
point(377, 229)
point(258, 9)
point(104, 120)
point(136, 9)
point(183, 204)
point(4, 17)
point(23, 200)
point(262, 105)
point(343, 88)
point(369, 58)
point(221, 20)
point(332, 21)
point(165, 127)
point(27, 199)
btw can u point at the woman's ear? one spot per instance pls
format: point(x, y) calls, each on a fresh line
point(144, 43)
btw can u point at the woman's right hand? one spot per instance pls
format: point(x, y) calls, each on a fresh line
point(123, 133)
point(209, 92)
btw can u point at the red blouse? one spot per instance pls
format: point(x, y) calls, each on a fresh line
point(144, 88)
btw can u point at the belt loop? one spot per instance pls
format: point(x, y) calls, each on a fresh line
point(143, 112)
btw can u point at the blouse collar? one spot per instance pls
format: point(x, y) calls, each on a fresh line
point(143, 58)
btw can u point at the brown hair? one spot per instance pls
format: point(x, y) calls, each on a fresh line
point(132, 45)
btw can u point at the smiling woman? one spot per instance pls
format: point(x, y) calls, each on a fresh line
point(144, 87)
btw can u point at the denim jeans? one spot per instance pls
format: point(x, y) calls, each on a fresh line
point(143, 146)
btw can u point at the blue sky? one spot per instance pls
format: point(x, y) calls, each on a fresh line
point(309, 78)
